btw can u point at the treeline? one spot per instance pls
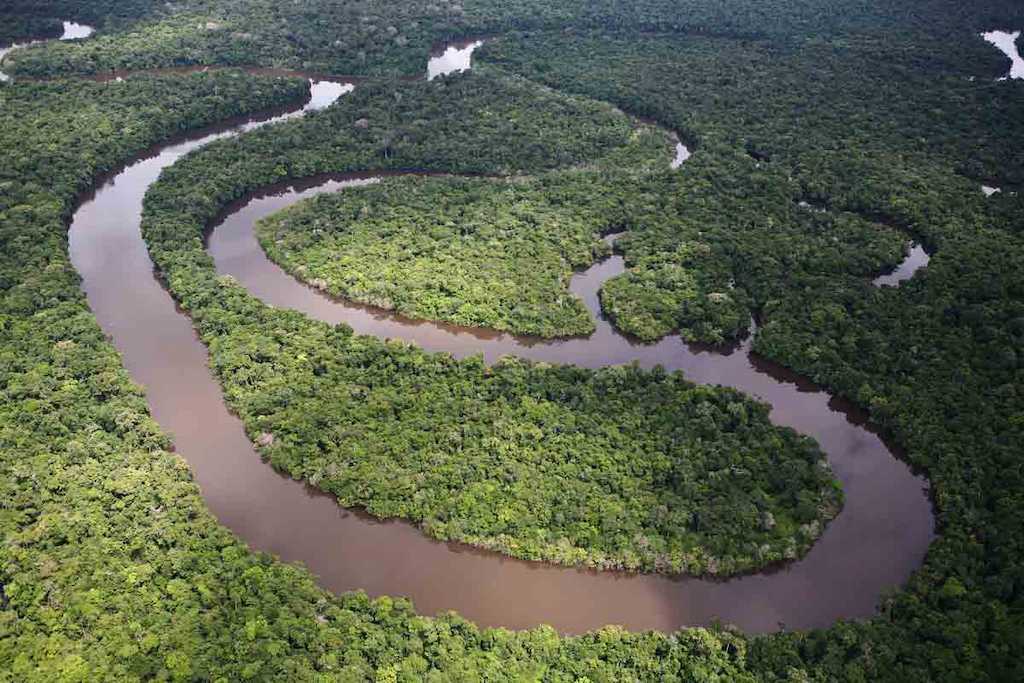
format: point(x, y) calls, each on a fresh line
point(616, 468)
point(472, 252)
point(379, 37)
point(713, 244)
point(14, 28)
point(325, 36)
point(873, 128)
point(36, 19)
point(476, 252)
point(706, 247)
point(101, 520)
point(828, 124)
point(112, 568)
point(825, 100)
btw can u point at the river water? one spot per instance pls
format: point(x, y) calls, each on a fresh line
point(878, 539)
point(1006, 41)
point(915, 259)
point(72, 31)
point(452, 57)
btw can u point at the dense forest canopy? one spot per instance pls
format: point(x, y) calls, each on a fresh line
point(887, 116)
point(611, 469)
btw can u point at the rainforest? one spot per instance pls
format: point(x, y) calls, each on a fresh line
point(668, 340)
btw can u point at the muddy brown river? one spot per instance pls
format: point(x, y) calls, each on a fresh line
point(878, 539)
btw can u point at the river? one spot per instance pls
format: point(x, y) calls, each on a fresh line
point(878, 539)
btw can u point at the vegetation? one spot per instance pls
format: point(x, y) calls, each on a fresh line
point(326, 36)
point(731, 224)
point(935, 360)
point(381, 37)
point(36, 19)
point(616, 469)
point(112, 569)
point(471, 252)
point(14, 28)
point(660, 475)
point(476, 252)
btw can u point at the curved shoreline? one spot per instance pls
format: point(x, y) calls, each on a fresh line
point(887, 512)
point(72, 31)
point(875, 543)
point(1006, 42)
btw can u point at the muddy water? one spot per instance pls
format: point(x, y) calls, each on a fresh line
point(72, 31)
point(874, 544)
point(1006, 42)
point(915, 259)
point(878, 539)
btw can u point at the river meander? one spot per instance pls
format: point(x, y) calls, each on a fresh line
point(878, 539)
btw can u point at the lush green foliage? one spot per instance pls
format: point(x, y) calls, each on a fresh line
point(111, 568)
point(484, 253)
point(34, 19)
point(689, 267)
point(763, 148)
point(40, 176)
point(382, 36)
point(329, 36)
point(937, 360)
point(471, 252)
point(660, 475)
point(616, 469)
point(17, 27)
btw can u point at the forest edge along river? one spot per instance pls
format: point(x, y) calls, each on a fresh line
point(1006, 42)
point(72, 31)
point(878, 539)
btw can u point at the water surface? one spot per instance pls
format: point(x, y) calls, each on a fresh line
point(1007, 43)
point(915, 259)
point(451, 58)
point(874, 544)
point(878, 539)
point(72, 31)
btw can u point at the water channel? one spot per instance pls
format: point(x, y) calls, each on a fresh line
point(878, 539)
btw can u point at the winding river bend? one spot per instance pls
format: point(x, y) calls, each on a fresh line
point(72, 31)
point(915, 259)
point(878, 539)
